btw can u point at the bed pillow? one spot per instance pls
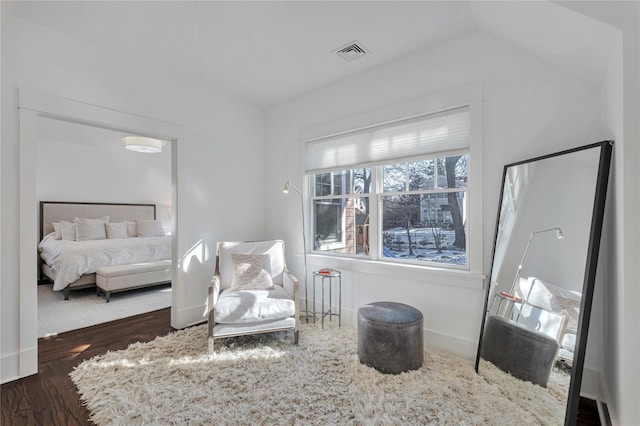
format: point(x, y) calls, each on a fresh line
point(116, 230)
point(67, 230)
point(91, 229)
point(251, 272)
point(131, 228)
point(57, 230)
point(149, 228)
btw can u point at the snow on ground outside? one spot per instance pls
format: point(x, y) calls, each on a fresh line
point(424, 246)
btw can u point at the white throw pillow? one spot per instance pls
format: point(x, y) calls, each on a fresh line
point(116, 230)
point(57, 229)
point(131, 229)
point(68, 230)
point(91, 229)
point(149, 228)
point(275, 248)
point(251, 272)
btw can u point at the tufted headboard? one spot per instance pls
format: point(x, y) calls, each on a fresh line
point(55, 211)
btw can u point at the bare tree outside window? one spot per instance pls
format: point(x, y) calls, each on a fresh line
point(452, 171)
point(422, 208)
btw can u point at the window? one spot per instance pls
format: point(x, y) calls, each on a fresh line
point(340, 205)
point(397, 192)
point(421, 209)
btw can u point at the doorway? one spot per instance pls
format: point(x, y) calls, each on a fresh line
point(85, 164)
point(32, 106)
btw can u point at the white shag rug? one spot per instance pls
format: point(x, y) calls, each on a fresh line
point(266, 380)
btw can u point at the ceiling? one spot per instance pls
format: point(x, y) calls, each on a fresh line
point(269, 51)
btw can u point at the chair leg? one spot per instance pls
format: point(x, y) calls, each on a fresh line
point(212, 349)
point(296, 335)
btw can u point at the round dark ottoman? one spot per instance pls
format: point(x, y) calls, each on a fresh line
point(390, 337)
point(524, 353)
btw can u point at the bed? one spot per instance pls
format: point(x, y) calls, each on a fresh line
point(72, 264)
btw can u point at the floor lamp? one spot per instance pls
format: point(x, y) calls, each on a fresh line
point(288, 185)
point(559, 235)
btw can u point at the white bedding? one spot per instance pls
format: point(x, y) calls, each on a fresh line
point(70, 259)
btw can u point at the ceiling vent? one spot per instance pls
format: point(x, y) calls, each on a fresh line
point(351, 51)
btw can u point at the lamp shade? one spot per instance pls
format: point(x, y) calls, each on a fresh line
point(142, 144)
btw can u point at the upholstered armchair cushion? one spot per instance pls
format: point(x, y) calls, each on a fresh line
point(253, 306)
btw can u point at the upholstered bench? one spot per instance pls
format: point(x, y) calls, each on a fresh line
point(390, 337)
point(520, 351)
point(116, 278)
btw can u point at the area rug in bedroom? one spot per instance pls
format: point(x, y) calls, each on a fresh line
point(265, 379)
point(84, 308)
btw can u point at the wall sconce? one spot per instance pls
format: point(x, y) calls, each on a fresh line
point(142, 144)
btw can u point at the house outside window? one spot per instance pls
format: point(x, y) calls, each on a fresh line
point(398, 192)
point(340, 204)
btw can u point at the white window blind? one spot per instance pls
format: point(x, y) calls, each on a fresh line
point(442, 131)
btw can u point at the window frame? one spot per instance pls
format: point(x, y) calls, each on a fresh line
point(465, 190)
point(470, 96)
point(376, 196)
point(312, 199)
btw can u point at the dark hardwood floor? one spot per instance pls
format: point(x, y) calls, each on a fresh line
point(50, 397)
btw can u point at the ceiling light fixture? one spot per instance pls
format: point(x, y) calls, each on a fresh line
point(142, 144)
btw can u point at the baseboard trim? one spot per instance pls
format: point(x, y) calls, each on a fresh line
point(603, 413)
point(458, 346)
point(607, 416)
point(591, 387)
point(187, 317)
point(11, 364)
point(461, 347)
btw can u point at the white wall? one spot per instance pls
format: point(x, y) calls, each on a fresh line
point(220, 161)
point(530, 109)
point(92, 165)
point(621, 293)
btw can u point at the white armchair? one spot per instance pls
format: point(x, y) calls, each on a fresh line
point(252, 291)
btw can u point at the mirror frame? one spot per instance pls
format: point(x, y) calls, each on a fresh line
point(593, 250)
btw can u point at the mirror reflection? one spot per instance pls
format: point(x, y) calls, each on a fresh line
point(532, 315)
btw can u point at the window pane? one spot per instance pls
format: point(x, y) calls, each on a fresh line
point(323, 184)
point(362, 180)
point(340, 182)
point(341, 225)
point(421, 175)
point(425, 227)
point(345, 182)
point(454, 172)
point(395, 177)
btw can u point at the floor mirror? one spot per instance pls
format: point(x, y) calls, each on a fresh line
point(539, 292)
